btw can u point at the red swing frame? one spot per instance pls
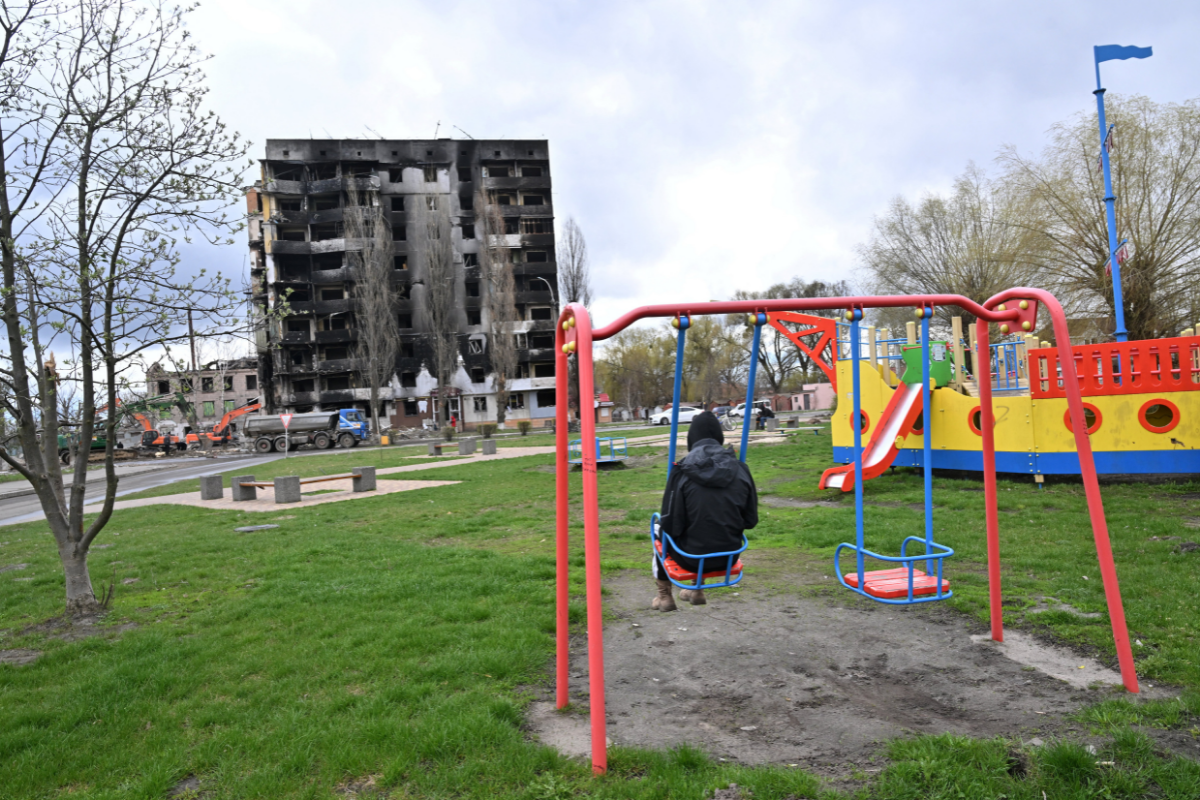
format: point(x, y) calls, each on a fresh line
point(1014, 309)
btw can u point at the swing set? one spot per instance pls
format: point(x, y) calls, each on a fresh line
point(903, 584)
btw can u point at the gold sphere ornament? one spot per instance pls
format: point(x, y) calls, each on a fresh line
point(1004, 328)
point(1024, 305)
point(1002, 307)
point(1026, 325)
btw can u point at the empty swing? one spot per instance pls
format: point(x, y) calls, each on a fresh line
point(730, 572)
point(904, 584)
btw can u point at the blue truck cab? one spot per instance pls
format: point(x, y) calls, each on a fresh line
point(352, 421)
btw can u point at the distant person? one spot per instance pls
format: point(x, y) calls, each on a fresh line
point(764, 413)
point(709, 502)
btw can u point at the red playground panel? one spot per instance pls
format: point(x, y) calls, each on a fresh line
point(893, 583)
point(680, 574)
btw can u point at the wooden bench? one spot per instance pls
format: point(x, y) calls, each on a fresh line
point(288, 487)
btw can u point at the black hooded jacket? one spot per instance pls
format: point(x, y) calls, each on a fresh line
point(710, 498)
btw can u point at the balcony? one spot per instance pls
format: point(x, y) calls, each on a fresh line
point(284, 187)
point(332, 306)
point(517, 183)
point(299, 398)
point(297, 306)
point(368, 183)
point(340, 365)
point(546, 269)
point(337, 396)
point(535, 240)
point(330, 337)
point(339, 275)
point(544, 210)
point(285, 247)
point(534, 297)
point(295, 337)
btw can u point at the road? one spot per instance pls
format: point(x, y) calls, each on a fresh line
point(27, 508)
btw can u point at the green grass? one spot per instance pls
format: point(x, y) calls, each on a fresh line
point(397, 637)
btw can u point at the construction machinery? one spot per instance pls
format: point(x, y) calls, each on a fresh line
point(222, 432)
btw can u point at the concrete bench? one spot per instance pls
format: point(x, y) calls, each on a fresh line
point(435, 448)
point(288, 487)
point(211, 487)
point(489, 447)
point(466, 446)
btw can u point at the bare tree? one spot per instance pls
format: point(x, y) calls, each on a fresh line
point(107, 155)
point(435, 252)
point(1156, 178)
point(375, 298)
point(574, 275)
point(496, 269)
point(981, 239)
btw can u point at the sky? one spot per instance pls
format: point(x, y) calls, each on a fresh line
point(703, 147)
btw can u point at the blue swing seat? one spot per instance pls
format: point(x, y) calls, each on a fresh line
point(731, 575)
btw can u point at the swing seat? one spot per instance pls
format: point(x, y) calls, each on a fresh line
point(686, 579)
point(678, 573)
point(893, 583)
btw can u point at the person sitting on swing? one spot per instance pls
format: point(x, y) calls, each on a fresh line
point(710, 500)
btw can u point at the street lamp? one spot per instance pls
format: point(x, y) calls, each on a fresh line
point(1111, 52)
point(548, 286)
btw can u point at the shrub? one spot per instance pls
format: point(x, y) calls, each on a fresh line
point(447, 432)
point(524, 426)
point(487, 429)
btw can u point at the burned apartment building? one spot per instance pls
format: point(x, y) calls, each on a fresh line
point(310, 357)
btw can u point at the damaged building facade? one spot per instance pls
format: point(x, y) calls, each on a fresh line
point(309, 352)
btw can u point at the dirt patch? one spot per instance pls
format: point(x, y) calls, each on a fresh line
point(774, 501)
point(188, 788)
point(19, 657)
point(12, 567)
point(70, 629)
point(360, 787)
point(820, 680)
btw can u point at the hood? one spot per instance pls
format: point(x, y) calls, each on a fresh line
point(710, 464)
point(705, 425)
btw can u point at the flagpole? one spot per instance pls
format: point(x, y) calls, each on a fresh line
point(1110, 208)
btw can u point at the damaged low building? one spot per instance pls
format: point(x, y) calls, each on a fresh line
point(303, 268)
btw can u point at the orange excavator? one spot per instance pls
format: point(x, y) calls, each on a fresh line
point(221, 432)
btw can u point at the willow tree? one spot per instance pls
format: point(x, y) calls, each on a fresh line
point(1156, 179)
point(108, 156)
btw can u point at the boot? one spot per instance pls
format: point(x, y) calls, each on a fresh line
point(664, 601)
point(694, 596)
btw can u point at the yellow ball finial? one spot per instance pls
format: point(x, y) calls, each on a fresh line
point(1004, 328)
point(1024, 305)
point(1026, 325)
point(919, 313)
point(1002, 307)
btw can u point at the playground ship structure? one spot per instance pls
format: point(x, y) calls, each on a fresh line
point(1141, 398)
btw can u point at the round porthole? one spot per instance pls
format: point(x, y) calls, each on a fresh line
point(975, 420)
point(866, 422)
point(1090, 413)
point(1158, 415)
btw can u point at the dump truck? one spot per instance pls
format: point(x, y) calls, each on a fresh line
point(321, 429)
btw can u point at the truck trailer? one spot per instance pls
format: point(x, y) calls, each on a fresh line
point(321, 429)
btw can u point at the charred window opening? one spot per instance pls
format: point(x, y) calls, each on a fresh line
point(227, 382)
point(327, 231)
point(473, 317)
point(497, 172)
point(535, 226)
point(470, 259)
point(400, 262)
point(408, 350)
point(466, 203)
point(396, 175)
point(505, 200)
point(290, 204)
point(408, 380)
point(297, 357)
point(475, 347)
point(305, 385)
point(546, 398)
point(533, 200)
point(541, 339)
point(298, 295)
point(288, 172)
point(359, 170)
point(497, 153)
point(510, 226)
point(431, 203)
point(464, 175)
point(404, 291)
point(516, 401)
point(291, 233)
point(333, 294)
point(336, 353)
point(399, 233)
point(323, 172)
point(185, 384)
point(522, 371)
point(297, 326)
point(334, 323)
point(325, 202)
point(536, 257)
point(327, 261)
point(338, 384)
point(411, 409)
point(164, 387)
point(540, 313)
point(397, 204)
point(521, 340)
point(430, 174)
point(251, 383)
point(531, 172)
point(480, 403)
point(404, 320)
point(468, 230)
point(472, 288)
point(206, 384)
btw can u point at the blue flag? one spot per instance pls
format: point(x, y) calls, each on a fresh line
point(1112, 52)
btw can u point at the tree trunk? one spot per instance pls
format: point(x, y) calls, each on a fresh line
point(81, 600)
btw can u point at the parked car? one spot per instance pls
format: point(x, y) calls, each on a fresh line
point(758, 405)
point(685, 415)
point(721, 411)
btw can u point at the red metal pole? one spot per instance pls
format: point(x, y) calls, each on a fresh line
point(1091, 488)
point(591, 540)
point(987, 424)
point(562, 489)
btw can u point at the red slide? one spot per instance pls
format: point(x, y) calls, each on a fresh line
point(880, 452)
